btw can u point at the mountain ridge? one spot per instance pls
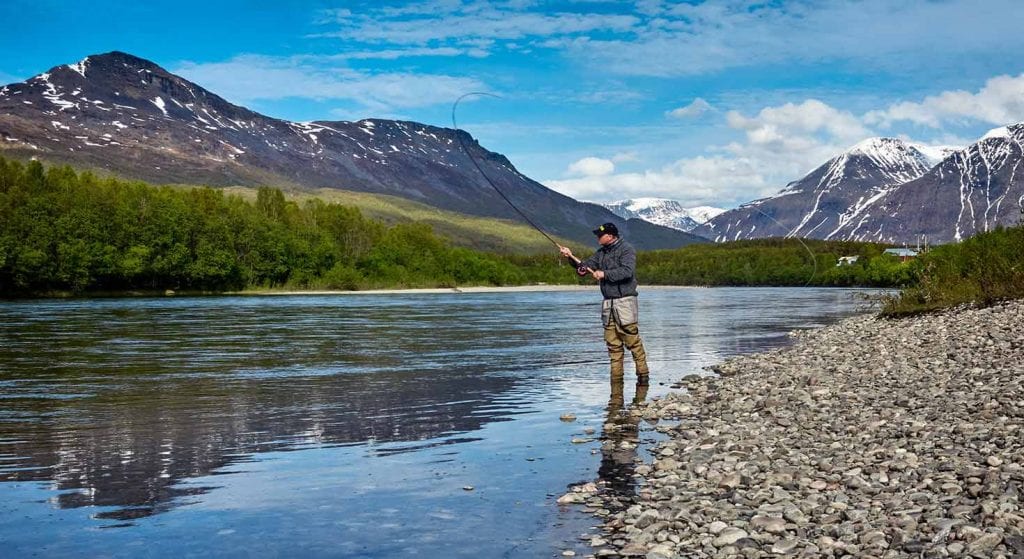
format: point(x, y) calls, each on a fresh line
point(826, 199)
point(663, 211)
point(892, 191)
point(125, 115)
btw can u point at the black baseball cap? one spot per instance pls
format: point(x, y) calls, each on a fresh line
point(609, 228)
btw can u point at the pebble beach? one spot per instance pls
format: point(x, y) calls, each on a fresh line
point(871, 437)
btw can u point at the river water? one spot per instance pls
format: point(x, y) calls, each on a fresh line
point(393, 425)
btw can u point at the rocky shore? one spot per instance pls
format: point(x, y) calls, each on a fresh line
point(868, 438)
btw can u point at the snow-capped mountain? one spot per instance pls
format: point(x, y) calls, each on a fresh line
point(829, 199)
point(971, 190)
point(668, 213)
point(125, 115)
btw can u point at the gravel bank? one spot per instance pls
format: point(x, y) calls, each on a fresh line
point(868, 438)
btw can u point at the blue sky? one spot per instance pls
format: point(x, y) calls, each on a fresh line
point(709, 103)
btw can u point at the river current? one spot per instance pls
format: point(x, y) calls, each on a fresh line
point(349, 425)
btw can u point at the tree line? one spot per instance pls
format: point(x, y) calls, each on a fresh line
point(776, 262)
point(63, 231)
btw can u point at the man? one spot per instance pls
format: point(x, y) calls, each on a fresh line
point(614, 265)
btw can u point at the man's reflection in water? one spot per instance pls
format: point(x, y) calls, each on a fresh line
point(618, 450)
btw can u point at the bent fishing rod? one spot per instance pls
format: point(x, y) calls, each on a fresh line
point(481, 171)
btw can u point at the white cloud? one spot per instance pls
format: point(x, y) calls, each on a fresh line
point(691, 181)
point(659, 38)
point(435, 22)
point(393, 54)
point(694, 110)
point(799, 126)
point(780, 144)
point(248, 78)
point(679, 39)
point(999, 102)
point(592, 167)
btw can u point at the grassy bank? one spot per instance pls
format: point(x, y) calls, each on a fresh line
point(775, 262)
point(982, 270)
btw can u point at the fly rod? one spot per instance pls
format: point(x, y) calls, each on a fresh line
point(486, 178)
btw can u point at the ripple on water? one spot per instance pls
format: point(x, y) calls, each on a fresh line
point(209, 423)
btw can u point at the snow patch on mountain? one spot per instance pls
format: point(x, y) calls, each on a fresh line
point(935, 154)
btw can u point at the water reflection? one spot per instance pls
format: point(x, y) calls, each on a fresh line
point(129, 448)
point(619, 443)
point(118, 410)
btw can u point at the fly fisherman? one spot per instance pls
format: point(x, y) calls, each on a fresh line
point(614, 265)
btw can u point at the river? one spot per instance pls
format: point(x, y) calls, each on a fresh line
point(384, 425)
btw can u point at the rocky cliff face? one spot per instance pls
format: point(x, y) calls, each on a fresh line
point(128, 116)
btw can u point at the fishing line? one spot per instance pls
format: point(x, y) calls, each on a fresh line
point(814, 259)
point(486, 178)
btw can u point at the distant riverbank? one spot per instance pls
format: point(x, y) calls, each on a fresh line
point(468, 289)
point(871, 437)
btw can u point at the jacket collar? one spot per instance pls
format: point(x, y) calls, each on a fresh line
point(618, 240)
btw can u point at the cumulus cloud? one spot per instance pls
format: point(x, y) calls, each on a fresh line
point(1000, 101)
point(248, 78)
point(694, 181)
point(795, 127)
point(592, 167)
point(695, 109)
point(780, 144)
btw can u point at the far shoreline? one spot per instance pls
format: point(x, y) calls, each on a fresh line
point(468, 289)
point(476, 289)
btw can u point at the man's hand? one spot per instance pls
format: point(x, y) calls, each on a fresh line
point(598, 274)
point(565, 251)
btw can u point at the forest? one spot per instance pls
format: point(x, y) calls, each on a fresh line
point(67, 232)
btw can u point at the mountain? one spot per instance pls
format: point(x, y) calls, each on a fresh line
point(832, 201)
point(972, 190)
point(125, 115)
point(668, 213)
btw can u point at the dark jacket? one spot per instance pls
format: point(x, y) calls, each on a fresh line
point(618, 262)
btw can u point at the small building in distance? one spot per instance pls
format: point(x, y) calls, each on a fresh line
point(847, 260)
point(903, 254)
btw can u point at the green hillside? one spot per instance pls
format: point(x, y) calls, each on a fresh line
point(478, 233)
point(68, 232)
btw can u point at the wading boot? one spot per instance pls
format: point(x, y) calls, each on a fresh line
point(643, 374)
